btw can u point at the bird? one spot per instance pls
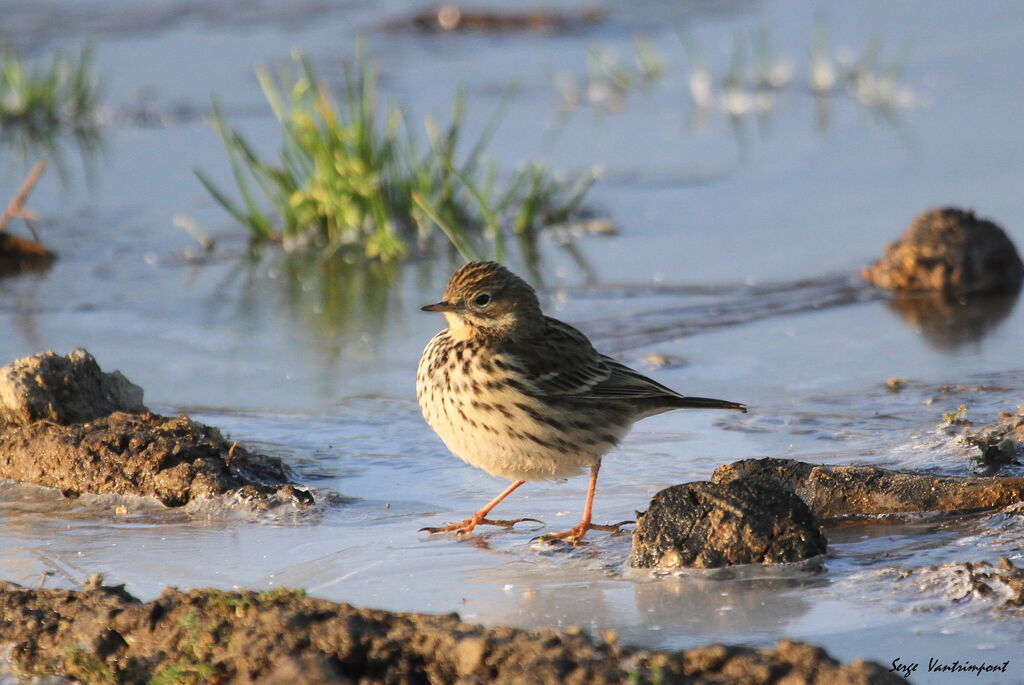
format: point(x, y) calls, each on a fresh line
point(525, 396)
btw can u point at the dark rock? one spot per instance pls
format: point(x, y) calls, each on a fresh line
point(837, 491)
point(18, 255)
point(949, 250)
point(707, 525)
point(64, 390)
point(284, 636)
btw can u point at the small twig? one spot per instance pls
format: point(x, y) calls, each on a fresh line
point(186, 223)
point(31, 228)
point(15, 207)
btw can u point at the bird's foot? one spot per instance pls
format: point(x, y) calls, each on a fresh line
point(575, 534)
point(466, 527)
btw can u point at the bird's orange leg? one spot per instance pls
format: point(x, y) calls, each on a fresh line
point(576, 533)
point(467, 526)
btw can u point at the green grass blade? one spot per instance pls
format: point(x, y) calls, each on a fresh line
point(456, 238)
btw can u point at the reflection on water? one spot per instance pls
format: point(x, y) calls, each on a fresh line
point(22, 145)
point(723, 306)
point(691, 604)
point(338, 293)
point(950, 324)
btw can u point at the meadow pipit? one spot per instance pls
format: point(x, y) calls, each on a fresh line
point(524, 396)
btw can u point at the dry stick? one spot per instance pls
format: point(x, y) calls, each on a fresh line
point(15, 207)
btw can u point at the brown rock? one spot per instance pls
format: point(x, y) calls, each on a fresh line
point(837, 491)
point(949, 250)
point(106, 635)
point(707, 525)
point(65, 390)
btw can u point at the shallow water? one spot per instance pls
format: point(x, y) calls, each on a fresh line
point(738, 246)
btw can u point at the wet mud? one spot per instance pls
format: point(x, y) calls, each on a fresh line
point(844, 491)
point(1001, 442)
point(451, 17)
point(709, 525)
point(22, 254)
point(63, 390)
point(67, 425)
point(19, 255)
point(173, 459)
point(104, 635)
point(999, 585)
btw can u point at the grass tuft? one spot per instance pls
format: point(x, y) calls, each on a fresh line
point(956, 417)
point(42, 98)
point(350, 176)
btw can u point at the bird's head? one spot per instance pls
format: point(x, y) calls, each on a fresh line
point(486, 299)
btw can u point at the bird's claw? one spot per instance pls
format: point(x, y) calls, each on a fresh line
point(575, 534)
point(613, 527)
point(466, 527)
point(508, 523)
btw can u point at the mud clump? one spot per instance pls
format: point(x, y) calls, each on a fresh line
point(1000, 442)
point(103, 634)
point(65, 390)
point(18, 255)
point(67, 425)
point(840, 491)
point(451, 17)
point(174, 460)
point(949, 251)
point(709, 525)
point(1000, 585)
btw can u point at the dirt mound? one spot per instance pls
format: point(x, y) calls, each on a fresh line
point(104, 635)
point(708, 525)
point(837, 491)
point(172, 459)
point(949, 250)
point(64, 390)
point(65, 424)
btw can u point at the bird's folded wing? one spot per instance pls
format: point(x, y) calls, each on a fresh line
point(564, 363)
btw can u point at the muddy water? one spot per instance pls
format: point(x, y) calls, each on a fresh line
point(737, 241)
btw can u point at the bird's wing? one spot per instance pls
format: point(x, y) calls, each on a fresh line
point(564, 363)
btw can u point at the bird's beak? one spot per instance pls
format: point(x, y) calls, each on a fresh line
point(438, 307)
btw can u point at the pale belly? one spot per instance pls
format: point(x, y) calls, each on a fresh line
point(504, 431)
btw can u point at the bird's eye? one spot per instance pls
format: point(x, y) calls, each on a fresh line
point(482, 299)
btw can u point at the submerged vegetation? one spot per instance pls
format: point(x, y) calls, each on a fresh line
point(352, 177)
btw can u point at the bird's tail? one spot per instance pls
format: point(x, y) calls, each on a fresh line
point(682, 402)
